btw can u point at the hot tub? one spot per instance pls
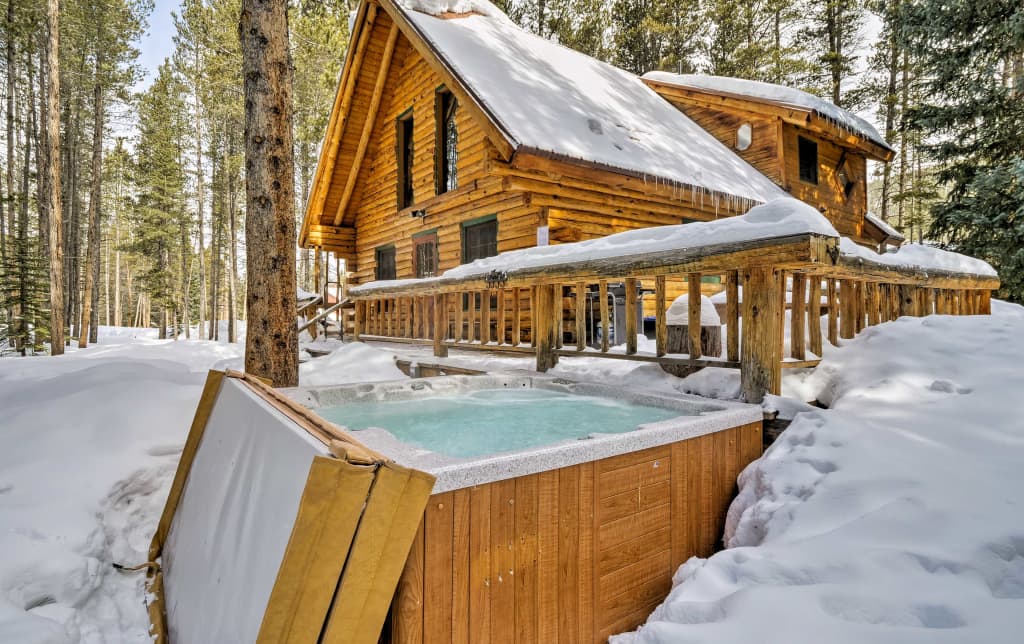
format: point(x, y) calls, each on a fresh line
point(552, 534)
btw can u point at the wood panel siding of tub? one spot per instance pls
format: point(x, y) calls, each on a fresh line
point(574, 554)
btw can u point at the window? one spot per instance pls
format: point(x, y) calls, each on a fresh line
point(385, 263)
point(744, 137)
point(479, 240)
point(807, 151)
point(446, 142)
point(424, 249)
point(404, 153)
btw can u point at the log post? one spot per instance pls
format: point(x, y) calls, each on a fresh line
point(440, 326)
point(860, 311)
point(581, 316)
point(409, 302)
point(485, 317)
point(517, 329)
point(499, 323)
point(906, 300)
point(559, 316)
point(732, 316)
point(814, 314)
point(798, 318)
point(761, 358)
point(833, 313)
point(660, 325)
point(603, 296)
point(985, 302)
point(541, 315)
point(848, 313)
point(359, 319)
point(693, 313)
point(460, 324)
point(555, 326)
point(630, 316)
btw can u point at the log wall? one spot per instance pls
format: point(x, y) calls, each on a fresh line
point(574, 554)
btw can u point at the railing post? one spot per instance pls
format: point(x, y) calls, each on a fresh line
point(581, 316)
point(542, 326)
point(440, 326)
point(732, 316)
point(906, 300)
point(660, 325)
point(693, 315)
point(485, 316)
point(985, 302)
point(798, 318)
point(358, 319)
point(630, 316)
point(517, 329)
point(499, 323)
point(761, 358)
point(814, 313)
point(833, 313)
point(603, 296)
point(848, 309)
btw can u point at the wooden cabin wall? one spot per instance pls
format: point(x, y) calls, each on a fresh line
point(845, 213)
point(412, 84)
point(763, 153)
point(569, 555)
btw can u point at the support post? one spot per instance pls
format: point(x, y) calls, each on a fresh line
point(358, 321)
point(693, 314)
point(542, 326)
point(603, 296)
point(499, 322)
point(848, 312)
point(814, 313)
point(485, 317)
point(661, 326)
point(732, 316)
point(440, 326)
point(833, 313)
point(630, 316)
point(798, 318)
point(517, 330)
point(581, 313)
point(761, 359)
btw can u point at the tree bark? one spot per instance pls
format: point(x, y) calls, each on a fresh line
point(54, 178)
point(87, 328)
point(271, 347)
point(233, 241)
point(200, 199)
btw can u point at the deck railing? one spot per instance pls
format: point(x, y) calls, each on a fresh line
point(564, 310)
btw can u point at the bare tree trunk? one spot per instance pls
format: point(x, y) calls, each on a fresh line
point(53, 179)
point(117, 256)
point(200, 200)
point(233, 243)
point(890, 108)
point(9, 51)
point(272, 343)
point(87, 328)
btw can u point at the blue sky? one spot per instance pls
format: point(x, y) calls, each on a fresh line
point(156, 45)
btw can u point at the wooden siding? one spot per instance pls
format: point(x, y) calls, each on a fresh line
point(574, 554)
point(763, 153)
point(845, 213)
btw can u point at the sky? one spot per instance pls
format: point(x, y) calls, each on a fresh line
point(157, 45)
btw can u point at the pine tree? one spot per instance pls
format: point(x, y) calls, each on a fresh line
point(972, 120)
point(832, 37)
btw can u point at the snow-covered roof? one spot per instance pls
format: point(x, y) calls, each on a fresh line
point(777, 94)
point(882, 225)
point(552, 100)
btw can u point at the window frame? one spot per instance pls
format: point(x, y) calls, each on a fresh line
point(422, 239)
point(405, 149)
point(806, 146)
point(476, 223)
point(380, 251)
point(446, 105)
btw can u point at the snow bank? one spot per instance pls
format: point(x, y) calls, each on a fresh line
point(778, 218)
point(894, 516)
point(353, 362)
point(88, 446)
point(919, 256)
point(774, 94)
point(552, 99)
point(679, 311)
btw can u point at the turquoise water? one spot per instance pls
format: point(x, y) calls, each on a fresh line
point(495, 420)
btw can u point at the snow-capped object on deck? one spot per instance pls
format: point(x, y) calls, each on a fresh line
point(777, 94)
point(919, 256)
point(884, 226)
point(679, 311)
point(779, 218)
point(551, 100)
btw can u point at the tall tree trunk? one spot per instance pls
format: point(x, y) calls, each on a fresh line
point(902, 181)
point(117, 250)
point(9, 199)
point(200, 200)
point(87, 328)
point(54, 178)
point(233, 242)
point(272, 342)
point(890, 102)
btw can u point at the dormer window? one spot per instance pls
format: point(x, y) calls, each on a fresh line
point(807, 152)
point(404, 152)
point(744, 137)
point(446, 148)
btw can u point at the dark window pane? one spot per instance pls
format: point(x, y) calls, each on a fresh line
point(404, 134)
point(447, 141)
point(807, 151)
point(425, 255)
point(479, 241)
point(385, 263)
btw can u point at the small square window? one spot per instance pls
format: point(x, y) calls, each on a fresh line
point(479, 240)
point(385, 263)
point(424, 248)
point(807, 152)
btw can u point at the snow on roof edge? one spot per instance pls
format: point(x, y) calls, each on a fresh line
point(884, 226)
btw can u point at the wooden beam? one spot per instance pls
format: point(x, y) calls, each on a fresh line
point(661, 328)
point(693, 314)
point(760, 361)
point(364, 138)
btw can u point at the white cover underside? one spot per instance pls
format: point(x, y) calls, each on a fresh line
point(234, 519)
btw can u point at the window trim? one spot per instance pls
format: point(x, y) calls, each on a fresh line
point(376, 261)
point(420, 239)
point(441, 169)
point(405, 152)
point(470, 224)
point(801, 143)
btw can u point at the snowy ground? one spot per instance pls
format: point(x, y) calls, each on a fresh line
point(894, 516)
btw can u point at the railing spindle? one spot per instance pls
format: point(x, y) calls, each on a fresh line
point(798, 318)
point(732, 316)
point(581, 313)
point(630, 316)
point(693, 314)
point(660, 325)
